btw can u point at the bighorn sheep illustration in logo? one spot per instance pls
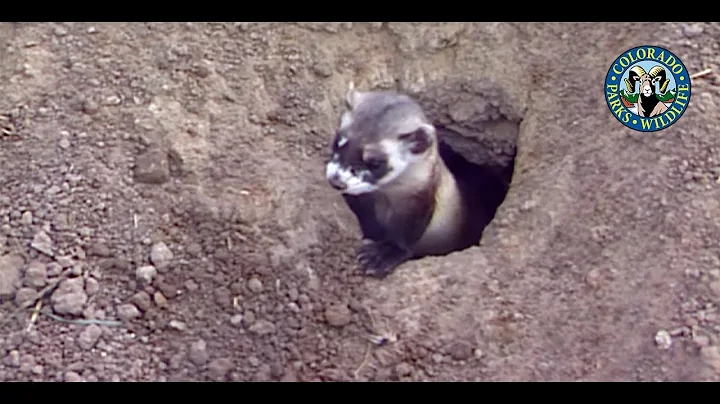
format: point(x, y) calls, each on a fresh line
point(648, 101)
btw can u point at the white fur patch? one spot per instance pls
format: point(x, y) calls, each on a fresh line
point(399, 159)
point(345, 120)
point(355, 184)
point(342, 142)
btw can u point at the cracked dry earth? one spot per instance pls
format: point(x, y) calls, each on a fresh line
point(164, 214)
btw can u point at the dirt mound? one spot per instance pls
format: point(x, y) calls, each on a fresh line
point(164, 214)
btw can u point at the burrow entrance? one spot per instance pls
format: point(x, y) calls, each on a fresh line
point(478, 130)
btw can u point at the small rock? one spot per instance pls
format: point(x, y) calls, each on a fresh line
point(75, 270)
point(168, 290)
point(100, 250)
point(460, 351)
point(27, 218)
point(404, 369)
point(60, 31)
point(159, 299)
point(89, 336)
point(193, 249)
point(37, 370)
point(65, 261)
point(64, 143)
point(218, 369)
point(235, 320)
point(13, 358)
point(262, 327)
point(663, 339)
point(178, 325)
point(25, 295)
point(145, 274)
point(92, 286)
point(255, 285)
point(141, 300)
point(337, 315)
point(715, 287)
point(127, 312)
point(693, 30)
point(160, 255)
point(477, 353)
point(198, 353)
point(152, 167)
point(42, 242)
point(27, 362)
point(10, 266)
point(36, 274)
point(191, 285)
point(322, 68)
point(53, 269)
point(69, 297)
point(71, 376)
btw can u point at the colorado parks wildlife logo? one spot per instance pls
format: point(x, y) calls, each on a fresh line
point(647, 88)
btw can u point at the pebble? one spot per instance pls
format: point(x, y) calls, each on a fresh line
point(13, 358)
point(36, 274)
point(127, 312)
point(89, 336)
point(337, 315)
point(160, 255)
point(218, 369)
point(255, 285)
point(715, 287)
point(663, 339)
point(178, 325)
point(159, 299)
point(60, 31)
point(236, 320)
point(43, 243)
point(25, 295)
point(145, 274)
point(262, 327)
point(92, 286)
point(141, 300)
point(404, 369)
point(711, 356)
point(27, 218)
point(198, 353)
point(100, 250)
point(69, 297)
point(10, 266)
point(65, 261)
point(53, 269)
point(693, 30)
point(71, 376)
point(152, 167)
point(64, 143)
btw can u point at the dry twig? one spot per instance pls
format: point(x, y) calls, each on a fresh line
point(700, 74)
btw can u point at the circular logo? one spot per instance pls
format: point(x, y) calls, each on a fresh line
point(647, 88)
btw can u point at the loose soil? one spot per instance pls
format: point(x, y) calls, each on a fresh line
point(164, 214)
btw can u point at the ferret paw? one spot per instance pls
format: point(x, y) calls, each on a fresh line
point(380, 258)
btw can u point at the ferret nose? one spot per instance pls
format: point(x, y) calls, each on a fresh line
point(336, 183)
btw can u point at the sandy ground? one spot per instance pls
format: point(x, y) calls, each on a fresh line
point(164, 214)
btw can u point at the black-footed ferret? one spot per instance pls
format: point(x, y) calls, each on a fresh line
point(387, 164)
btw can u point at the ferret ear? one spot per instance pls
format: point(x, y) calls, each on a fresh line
point(353, 97)
point(420, 139)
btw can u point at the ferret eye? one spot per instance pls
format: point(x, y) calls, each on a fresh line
point(374, 163)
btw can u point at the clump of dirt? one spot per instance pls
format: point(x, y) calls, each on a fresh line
point(164, 214)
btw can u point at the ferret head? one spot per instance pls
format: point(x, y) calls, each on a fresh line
point(382, 138)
